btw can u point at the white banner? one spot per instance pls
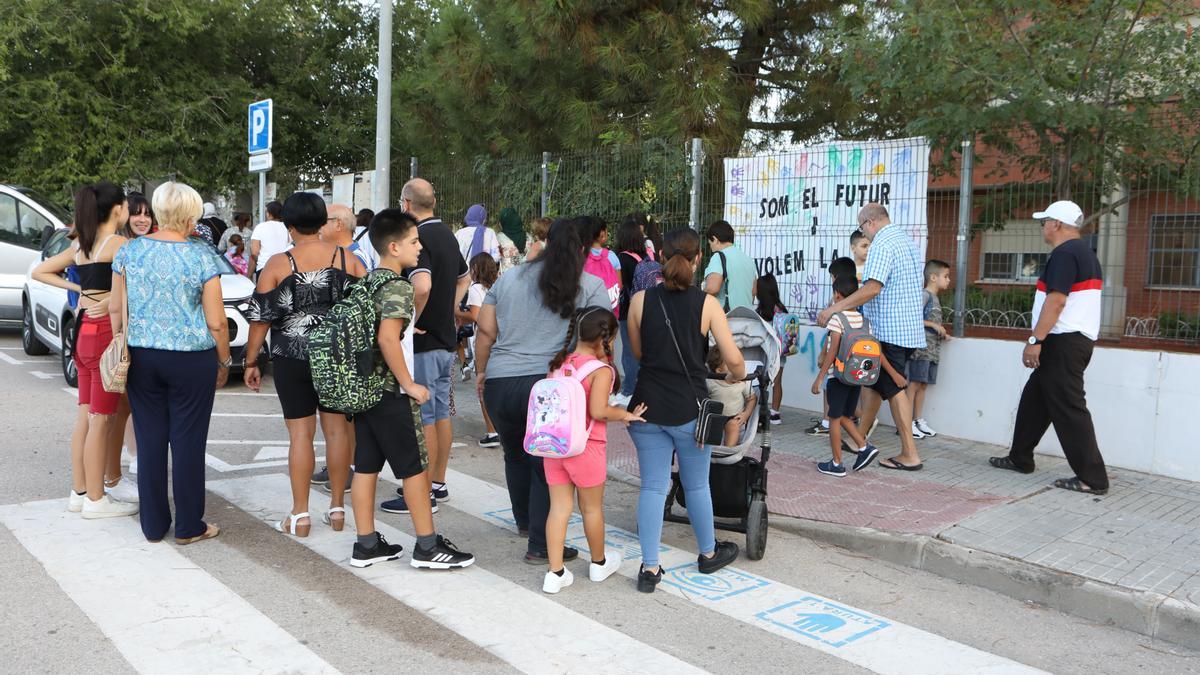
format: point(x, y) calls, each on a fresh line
point(794, 212)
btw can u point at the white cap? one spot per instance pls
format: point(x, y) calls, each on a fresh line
point(208, 210)
point(1064, 211)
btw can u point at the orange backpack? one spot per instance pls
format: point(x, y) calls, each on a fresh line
point(860, 356)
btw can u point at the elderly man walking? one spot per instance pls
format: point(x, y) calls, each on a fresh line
point(891, 300)
point(1066, 323)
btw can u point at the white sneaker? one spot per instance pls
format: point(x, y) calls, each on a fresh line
point(124, 491)
point(916, 433)
point(107, 507)
point(132, 466)
point(599, 573)
point(555, 583)
point(924, 427)
point(619, 400)
point(75, 501)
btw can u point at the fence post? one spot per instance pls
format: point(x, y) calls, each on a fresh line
point(412, 168)
point(965, 190)
point(545, 183)
point(697, 160)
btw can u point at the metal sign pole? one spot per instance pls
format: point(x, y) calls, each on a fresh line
point(381, 187)
point(965, 191)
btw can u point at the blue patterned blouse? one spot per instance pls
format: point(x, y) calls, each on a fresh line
point(165, 283)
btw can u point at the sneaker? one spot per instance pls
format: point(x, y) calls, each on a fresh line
point(75, 501)
point(443, 556)
point(916, 433)
point(123, 491)
point(490, 441)
point(320, 477)
point(382, 551)
point(924, 427)
point(599, 573)
point(619, 400)
point(132, 466)
point(647, 581)
point(107, 507)
point(865, 458)
point(831, 469)
point(818, 429)
point(726, 552)
point(440, 492)
point(775, 418)
point(398, 505)
point(540, 557)
point(555, 583)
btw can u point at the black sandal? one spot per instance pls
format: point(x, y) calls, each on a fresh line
point(1076, 485)
point(1006, 463)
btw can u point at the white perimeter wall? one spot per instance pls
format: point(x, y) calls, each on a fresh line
point(1145, 404)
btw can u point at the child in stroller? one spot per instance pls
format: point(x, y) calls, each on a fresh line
point(737, 399)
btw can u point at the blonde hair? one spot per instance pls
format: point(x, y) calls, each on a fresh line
point(177, 207)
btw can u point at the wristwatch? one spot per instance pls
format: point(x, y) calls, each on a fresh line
point(227, 363)
point(1034, 341)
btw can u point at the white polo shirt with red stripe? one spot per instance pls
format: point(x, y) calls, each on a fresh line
point(1073, 270)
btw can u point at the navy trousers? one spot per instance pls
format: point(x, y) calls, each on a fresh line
point(171, 395)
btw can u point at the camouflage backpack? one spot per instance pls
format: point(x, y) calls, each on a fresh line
point(341, 350)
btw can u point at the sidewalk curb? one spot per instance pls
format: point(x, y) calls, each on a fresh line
point(1151, 614)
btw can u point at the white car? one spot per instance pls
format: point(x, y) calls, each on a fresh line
point(48, 320)
point(26, 219)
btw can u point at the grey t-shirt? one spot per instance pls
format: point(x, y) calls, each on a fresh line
point(530, 335)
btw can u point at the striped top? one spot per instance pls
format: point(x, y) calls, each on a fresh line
point(1073, 270)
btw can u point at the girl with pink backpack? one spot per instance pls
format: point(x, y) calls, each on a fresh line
point(590, 366)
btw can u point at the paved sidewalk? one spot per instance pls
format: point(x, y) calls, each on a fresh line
point(1140, 543)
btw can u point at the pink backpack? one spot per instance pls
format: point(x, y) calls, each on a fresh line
point(557, 425)
point(600, 265)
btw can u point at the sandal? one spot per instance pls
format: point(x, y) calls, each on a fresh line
point(292, 526)
point(209, 533)
point(1006, 463)
point(894, 463)
point(336, 523)
point(1076, 485)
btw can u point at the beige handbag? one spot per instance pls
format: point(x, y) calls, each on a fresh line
point(114, 362)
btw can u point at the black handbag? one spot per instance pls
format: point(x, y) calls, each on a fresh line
point(710, 422)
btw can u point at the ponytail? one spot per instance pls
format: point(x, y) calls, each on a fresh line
point(561, 356)
point(680, 249)
point(93, 205)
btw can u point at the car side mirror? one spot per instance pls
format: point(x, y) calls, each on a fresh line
point(47, 232)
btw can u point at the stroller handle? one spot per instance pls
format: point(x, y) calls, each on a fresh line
point(750, 377)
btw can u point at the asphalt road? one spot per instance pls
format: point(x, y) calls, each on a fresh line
point(92, 595)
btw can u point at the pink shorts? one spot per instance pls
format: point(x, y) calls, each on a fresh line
point(585, 470)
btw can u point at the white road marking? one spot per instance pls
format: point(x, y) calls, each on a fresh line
point(458, 445)
point(245, 393)
point(275, 415)
point(272, 452)
point(806, 618)
point(161, 611)
point(218, 441)
point(483, 607)
point(218, 464)
point(10, 360)
point(43, 376)
point(73, 393)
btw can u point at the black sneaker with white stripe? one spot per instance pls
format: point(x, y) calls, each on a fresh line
point(443, 556)
point(382, 551)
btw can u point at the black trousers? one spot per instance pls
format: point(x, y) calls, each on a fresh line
point(171, 395)
point(1054, 395)
point(507, 400)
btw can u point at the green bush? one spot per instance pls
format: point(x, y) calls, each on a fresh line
point(1179, 326)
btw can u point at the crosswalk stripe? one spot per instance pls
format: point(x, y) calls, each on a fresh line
point(161, 611)
point(809, 619)
point(527, 630)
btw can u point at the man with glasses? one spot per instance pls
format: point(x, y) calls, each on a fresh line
point(439, 280)
point(890, 297)
point(1066, 323)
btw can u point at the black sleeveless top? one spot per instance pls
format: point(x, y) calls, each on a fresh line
point(662, 383)
point(299, 303)
point(95, 278)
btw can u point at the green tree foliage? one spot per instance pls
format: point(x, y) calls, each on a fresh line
point(1084, 92)
point(131, 90)
point(525, 75)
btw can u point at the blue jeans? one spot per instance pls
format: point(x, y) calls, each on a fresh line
point(629, 363)
point(655, 445)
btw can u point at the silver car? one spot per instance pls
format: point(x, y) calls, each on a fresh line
point(26, 218)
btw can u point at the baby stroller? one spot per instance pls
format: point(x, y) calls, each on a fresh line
point(739, 483)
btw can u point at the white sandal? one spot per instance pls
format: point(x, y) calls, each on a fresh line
point(293, 527)
point(336, 523)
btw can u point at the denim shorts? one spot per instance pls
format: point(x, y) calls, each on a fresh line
point(432, 370)
point(923, 371)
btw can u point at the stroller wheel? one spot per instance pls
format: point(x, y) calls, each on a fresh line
point(756, 530)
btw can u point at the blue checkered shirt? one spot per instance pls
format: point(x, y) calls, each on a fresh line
point(895, 314)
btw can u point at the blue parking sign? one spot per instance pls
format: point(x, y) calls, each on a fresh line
point(260, 135)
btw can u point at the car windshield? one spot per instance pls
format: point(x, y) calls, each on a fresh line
point(42, 201)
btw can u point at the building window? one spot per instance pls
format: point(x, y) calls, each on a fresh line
point(1175, 250)
point(1015, 254)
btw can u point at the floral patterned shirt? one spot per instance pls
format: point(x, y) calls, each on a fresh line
point(298, 304)
point(164, 281)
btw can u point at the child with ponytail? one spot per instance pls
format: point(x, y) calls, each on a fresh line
point(593, 331)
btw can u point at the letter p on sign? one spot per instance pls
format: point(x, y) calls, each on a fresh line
point(260, 131)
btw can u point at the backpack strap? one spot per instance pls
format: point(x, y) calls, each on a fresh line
point(633, 255)
point(292, 260)
point(584, 371)
point(361, 234)
point(724, 278)
point(846, 327)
